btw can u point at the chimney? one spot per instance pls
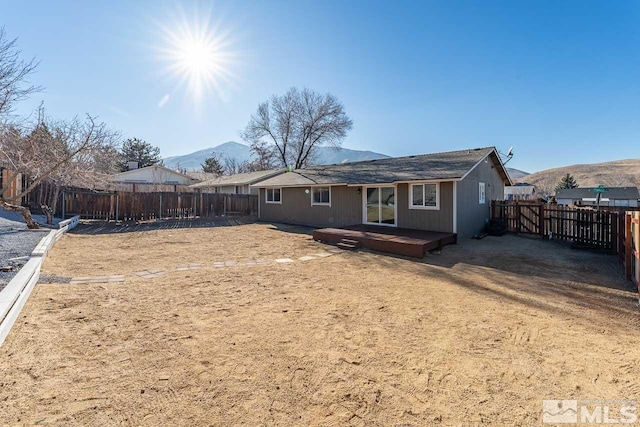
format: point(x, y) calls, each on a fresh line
point(133, 165)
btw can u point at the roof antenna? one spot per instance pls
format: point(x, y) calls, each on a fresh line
point(506, 157)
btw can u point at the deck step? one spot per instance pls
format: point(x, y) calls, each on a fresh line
point(350, 242)
point(347, 246)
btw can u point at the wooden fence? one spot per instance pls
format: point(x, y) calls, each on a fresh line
point(584, 227)
point(617, 232)
point(129, 206)
point(630, 251)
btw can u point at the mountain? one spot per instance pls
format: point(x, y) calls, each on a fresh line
point(619, 173)
point(516, 174)
point(241, 152)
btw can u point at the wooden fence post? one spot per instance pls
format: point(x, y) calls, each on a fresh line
point(541, 220)
point(64, 202)
point(117, 206)
point(614, 232)
point(518, 219)
point(627, 246)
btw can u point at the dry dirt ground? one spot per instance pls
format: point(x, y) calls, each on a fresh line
point(477, 334)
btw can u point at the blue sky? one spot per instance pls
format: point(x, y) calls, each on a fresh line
point(560, 81)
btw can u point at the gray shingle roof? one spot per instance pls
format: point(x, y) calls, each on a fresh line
point(624, 193)
point(448, 165)
point(238, 179)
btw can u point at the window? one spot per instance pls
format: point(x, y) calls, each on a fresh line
point(321, 196)
point(274, 195)
point(424, 196)
point(481, 193)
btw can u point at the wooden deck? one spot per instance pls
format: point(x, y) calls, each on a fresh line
point(400, 241)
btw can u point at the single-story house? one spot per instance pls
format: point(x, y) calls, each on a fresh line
point(239, 183)
point(615, 196)
point(155, 174)
point(447, 192)
point(520, 191)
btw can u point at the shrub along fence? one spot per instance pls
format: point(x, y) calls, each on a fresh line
point(129, 206)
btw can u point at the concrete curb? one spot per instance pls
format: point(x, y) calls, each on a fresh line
point(15, 294)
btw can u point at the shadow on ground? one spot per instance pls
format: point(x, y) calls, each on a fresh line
point(111, 227)
point(535, 273)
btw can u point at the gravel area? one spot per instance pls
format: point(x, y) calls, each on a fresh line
point(16, 243)
point(13, 220)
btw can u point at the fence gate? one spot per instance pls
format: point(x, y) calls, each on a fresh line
point(583, 227)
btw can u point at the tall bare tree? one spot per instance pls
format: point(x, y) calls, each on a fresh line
point(74, 152)
point(58, 152)
point(296, 124)
point(14, 76)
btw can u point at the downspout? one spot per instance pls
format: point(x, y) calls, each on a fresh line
point(455, 207)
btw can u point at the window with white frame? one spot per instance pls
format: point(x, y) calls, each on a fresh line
point(481, 193)
point(424, 196)
point(321, 196)
point(274, 195)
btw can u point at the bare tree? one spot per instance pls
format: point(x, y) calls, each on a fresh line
point(14, 74)
point(296, 124)
point(232, 166)
point(74, 152)
point(265, 157)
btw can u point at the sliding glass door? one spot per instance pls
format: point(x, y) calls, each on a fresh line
point(380, 205)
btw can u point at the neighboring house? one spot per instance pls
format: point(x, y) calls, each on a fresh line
point(616, 196)
point(237, 184)
point(520, 191)
point(446, 192)
point(154, 175)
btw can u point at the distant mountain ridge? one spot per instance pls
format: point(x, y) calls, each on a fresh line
point(517, 174)
point(241, 152)
point(618, 173)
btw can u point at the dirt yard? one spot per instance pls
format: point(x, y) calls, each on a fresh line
point(479, 333)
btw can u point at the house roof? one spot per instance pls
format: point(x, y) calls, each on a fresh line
point(437, 166)
point(628, 193)
point(201, 176)
point(238, 179)
point(157, 167)
point(520, 189)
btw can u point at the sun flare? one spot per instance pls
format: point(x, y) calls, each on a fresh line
point(198, 55)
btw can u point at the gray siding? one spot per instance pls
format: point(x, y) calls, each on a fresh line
point(422, 219)
point(345, 209)
point(471, 214)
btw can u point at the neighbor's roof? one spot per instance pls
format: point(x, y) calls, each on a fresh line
point(438, 166)
point(625, 193)
point(156, 167)
point(201, 176)
point(238, 179)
